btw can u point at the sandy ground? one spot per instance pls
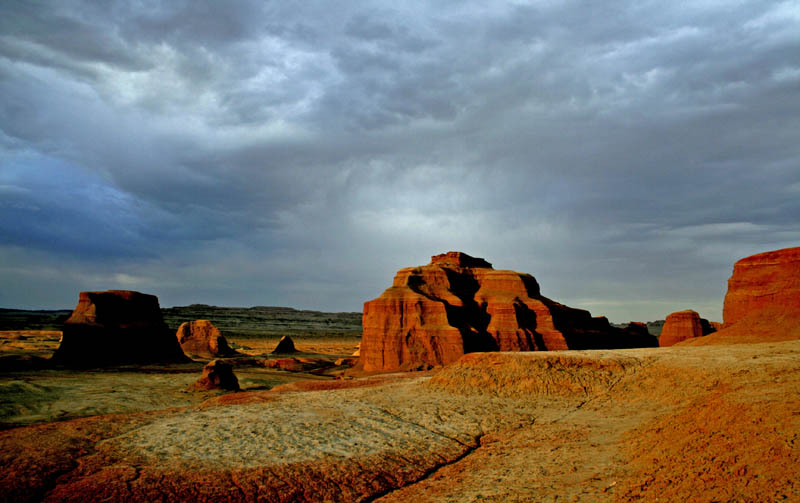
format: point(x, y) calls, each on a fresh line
point(44, 395)
point(715, 423)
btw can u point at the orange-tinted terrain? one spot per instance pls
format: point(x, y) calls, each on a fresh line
point(715, 417)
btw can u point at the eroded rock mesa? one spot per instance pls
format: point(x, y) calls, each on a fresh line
point(766, 280)
point(217, 374)
point(201, 338)
point(762, 302)
point(117, 327)
point(683, 325)
point(457, 304)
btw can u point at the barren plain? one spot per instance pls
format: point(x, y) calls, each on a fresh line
point(712, 423)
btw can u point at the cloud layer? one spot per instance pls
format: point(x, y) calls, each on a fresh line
point(299, 153)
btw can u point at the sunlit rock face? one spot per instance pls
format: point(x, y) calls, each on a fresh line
point(201, 338)
point(766, 280)
point(684, 325)
point(117, 327)
point(457, 304)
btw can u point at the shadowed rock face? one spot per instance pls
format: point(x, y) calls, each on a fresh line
point(683, 325)
point(285, 345)
point(770, 279)
point(203, 339)
point(217, 375)
point(458, 304)
point(117, 327)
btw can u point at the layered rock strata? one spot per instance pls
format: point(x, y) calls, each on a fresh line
point(201, 338)
point(766, 280)
point(117, 327)
point(683, 325)
point(762, 302)
point(458, 304)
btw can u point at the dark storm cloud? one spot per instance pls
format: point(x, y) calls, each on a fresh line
point(298, 153)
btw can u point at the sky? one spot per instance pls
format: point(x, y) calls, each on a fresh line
point(299, 153)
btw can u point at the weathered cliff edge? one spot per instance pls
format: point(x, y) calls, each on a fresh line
point(762, 302)
point(457, 304)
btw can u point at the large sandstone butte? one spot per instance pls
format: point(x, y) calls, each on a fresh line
point(201, 338)
point(458, 304)
point(117, 327)
point(763, 300)
point(683, 325)
point(770, 279)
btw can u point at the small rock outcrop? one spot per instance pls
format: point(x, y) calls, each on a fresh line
point(217, 374)
point(458, 304)
point(117, 327)
point(201, 338)
point(683, 325)
point(285, 346)
point(766, 280)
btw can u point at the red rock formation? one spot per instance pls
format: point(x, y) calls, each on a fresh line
point(117, 327)
point(201, 338)
point(217, 374)
point(683, 325)
point(458, 304)
point(770, 279)
point(763, 300)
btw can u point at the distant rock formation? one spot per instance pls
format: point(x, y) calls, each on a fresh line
point(217, 374)
point(201, 338)
point(117, 327)
point(458, 304)
point(637, 327)
point(683, 325)
point(285, 345)
point(763, 300)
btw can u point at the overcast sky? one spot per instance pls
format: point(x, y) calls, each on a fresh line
point(298, 153)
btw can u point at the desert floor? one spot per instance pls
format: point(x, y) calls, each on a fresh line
point(710, 423)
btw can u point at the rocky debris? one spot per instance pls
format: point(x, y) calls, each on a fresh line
point(201, 338)
point(217, 374)
point(349, 362)
point(117, 327)
point(299, 364)
point(357, 352)
point(770, 279)
point(285, 346)
point(683, 325)
point(458, 304)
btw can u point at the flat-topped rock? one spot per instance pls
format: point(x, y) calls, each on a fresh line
point(770, 279)
point(683, 325)
point(117, 327)
point(457, 304)
point(762, 302)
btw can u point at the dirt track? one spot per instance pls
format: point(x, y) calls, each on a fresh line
point(716, 423)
